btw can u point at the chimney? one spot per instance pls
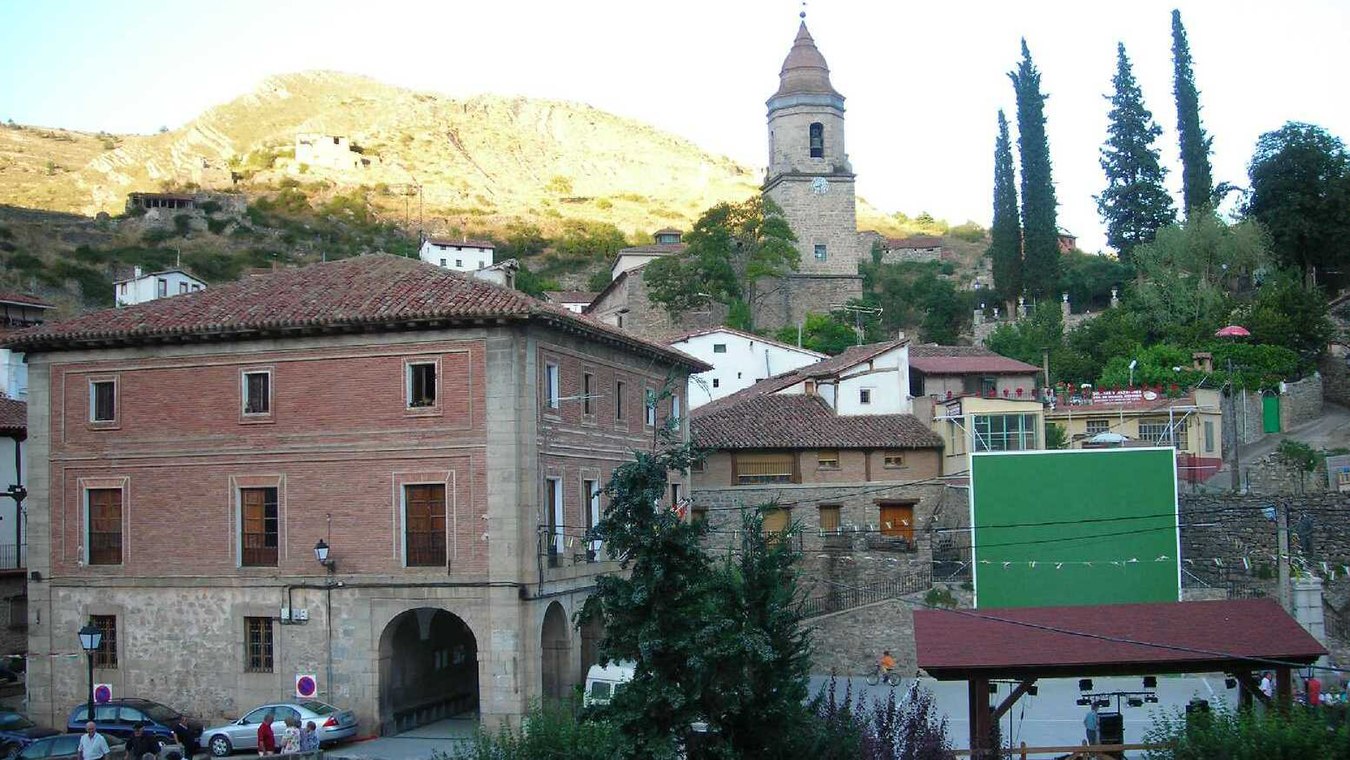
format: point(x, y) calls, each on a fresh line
point(136, 272)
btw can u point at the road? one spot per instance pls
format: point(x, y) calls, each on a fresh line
point(1052, 718)
point(1331, 430)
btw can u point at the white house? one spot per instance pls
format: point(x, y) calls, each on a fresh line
point(572, 300)
point(668, 243)
point(142, 287)
point(739, 361)
point(460, 255)
point(17, 311)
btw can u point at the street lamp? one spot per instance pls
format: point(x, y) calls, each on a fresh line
point(90, 638)
point(321, 554)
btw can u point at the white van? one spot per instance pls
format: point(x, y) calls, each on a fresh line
point(603, 681)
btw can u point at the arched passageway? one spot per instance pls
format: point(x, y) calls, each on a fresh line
point(428, 669)
point(554, 648)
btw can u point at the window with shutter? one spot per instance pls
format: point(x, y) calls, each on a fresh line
point(424, 519)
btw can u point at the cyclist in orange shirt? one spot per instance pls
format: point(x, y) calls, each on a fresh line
point(886, 663)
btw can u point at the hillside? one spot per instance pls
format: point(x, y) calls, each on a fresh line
point(479, 161)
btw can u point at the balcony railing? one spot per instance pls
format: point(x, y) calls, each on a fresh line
point(13, 556)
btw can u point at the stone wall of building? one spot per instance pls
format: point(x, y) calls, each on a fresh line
point(13, 613)
point(629, 305)
point(848, 643)
point(785, 302)
point(1301, 402)
point(1335, 376)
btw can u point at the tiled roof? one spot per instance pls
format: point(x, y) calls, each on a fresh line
point(145, 275)
point(960, 360)
point(918, 241)
point(853, 356)
point(668, 231)
point(570, 296)
point(13, 415)
point(372, 293)
point(446, 242)
point(951, 643)
point(795, 421)
point(748, 336)
point(9, 296)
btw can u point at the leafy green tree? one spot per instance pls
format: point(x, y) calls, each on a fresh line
point(825, 333)
point(598, 281)
point(1040, 230)
point(1192, 274)
point(1134, 204)
point(1056, 437)
point(1154, 365)
point(1026, 339)
point(1005, 234)
point(590, 240)
point(529, 282)
point(1197, 182)
point(731, 248)
point(915, 295)
point(718, 642)
point(1089, 277)
point(1300, 194)
point(1297, 733)
point(1286, 313)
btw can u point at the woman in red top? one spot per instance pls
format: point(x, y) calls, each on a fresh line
point(267, 743)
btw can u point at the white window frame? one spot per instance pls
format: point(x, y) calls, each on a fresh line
point(864, 395)
point(553, 493)
point(591, 488)
point(649, 407)
point(408, 365)
point(552, 385)
point(93, 406)
point(243, 392)
point(161, 287)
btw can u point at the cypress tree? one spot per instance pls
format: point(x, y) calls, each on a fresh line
point(1134, 204)
point(1197, 183)
point(1040, 232)
point(1005, 234)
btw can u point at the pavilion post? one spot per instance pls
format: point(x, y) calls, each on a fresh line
point(1284, 687)
point(980, 724)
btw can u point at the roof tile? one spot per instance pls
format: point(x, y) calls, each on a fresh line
point(795, 421)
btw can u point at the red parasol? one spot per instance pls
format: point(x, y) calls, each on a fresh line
point(1233, 331)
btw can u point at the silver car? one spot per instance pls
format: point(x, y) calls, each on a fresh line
point(332, 725)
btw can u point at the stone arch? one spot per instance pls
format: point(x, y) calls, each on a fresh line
point(428, 669)
point(554, 649)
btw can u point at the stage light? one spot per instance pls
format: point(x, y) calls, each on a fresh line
point(1134, 702)
point(1085, 684)
point(1230, 683)
point(1150, 682)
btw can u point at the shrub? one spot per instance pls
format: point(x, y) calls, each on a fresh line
point(1299, 733)
point(156, 236)
point(939, 597)
point(182, 224)
point(209, 207)
point(217, 226)
point(556, 731)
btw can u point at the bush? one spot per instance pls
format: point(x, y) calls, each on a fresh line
point(217, 226)
point(209, 207)
point(1298, 734)
point(156, 236)
point(182, 224)
point(550, 732)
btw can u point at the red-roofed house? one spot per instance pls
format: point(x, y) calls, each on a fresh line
point(833, 445)
point(948, 371)
point(438, 442)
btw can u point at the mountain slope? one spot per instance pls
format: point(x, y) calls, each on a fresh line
point(478, 161)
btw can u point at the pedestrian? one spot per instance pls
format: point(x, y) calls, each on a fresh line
point(186, 737)
point(1312, 685)
point(1092, 723)
point(309, 738)
point(92, 745)
point(1268, 684)
point(141, 743)
point(267, 741)
point(290, 736)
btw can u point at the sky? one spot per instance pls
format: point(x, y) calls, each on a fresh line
point(923, 81)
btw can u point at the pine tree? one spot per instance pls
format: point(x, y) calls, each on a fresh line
point(1005, 234)
point(1040, 232)
point(1197, 183)
point(1134, 204)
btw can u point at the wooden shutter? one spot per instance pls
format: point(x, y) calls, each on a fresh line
point(260, 539)
point(897, 521)
point(425, 519)
point(105, 526)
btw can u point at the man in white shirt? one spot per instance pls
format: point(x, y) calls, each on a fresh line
point(92, 745)
point(1268, 684)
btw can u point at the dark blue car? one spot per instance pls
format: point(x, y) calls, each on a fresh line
point(117, 717)
point(17, 732)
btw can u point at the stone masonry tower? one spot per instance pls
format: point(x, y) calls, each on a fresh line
point(810, 177)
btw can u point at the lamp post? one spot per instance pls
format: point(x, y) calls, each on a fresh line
point(90, 638)
point(321, 554)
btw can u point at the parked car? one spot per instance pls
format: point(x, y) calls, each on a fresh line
point(116, 718)
point(17, 732)
point(602, 681)
point(331, 723)
point(67, 747)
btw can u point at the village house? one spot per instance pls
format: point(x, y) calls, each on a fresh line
point(947, 371)
point(17, 311)
point(385, 486)
point(739, 360)
point(572, 300)
point(1192, 423)
point(971, 423)
point(462, 255)
point(147, 286)
point(916, 248)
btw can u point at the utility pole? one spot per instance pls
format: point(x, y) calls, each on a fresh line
point(858, 312)
point(1282, 561)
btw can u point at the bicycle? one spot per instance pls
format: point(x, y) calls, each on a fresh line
point(891, 677)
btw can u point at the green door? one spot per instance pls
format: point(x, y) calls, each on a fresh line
point(1270, 414)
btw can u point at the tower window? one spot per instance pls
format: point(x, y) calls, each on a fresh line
point(817, 140)
point(820, 251)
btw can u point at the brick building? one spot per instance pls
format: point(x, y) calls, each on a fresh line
point(445, 438)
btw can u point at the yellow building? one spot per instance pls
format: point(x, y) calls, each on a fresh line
point(1139, 417)
point(982, 423)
